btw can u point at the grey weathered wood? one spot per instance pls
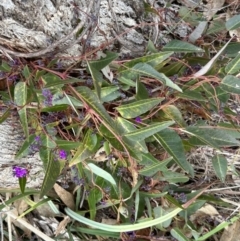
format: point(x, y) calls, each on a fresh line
point(32, 25)
point(11, 138)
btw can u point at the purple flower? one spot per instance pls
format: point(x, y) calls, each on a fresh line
point(138, 119)
point(19, 172)
point(62, 154)
point(48, 97)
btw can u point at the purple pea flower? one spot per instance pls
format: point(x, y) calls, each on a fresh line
point(19, 172)
point(138, 119)
point(62, 154)
point(48, 97)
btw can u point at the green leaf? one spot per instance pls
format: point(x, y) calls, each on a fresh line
point(231, 84)
point(233, 22)
point(110, 93)
point(144, 69)
point(93, 197)
point(90, 140)
point(103, 62)
point(137, 108)
point(23, 151)
point(192, 95)
point(175, 114)
point(22, 183)
point(152, 59)
point(233, 130)
point(101, 173)
point(177, 234)
point(51, 80)
point(181, 46)
point(55, 108)
point(67, 145)
point(5, 67)
point(141, 91)
point(61, 100)
point(147, 131)
point(172, 143)
point(45, 155)
point(48, 142)
point(150, 170)
point(5, 115)
point(54, 168)
point(122, 228)
point(150, 47)
point(82, 154)
point(127, 127)
point(127, 81)
point(97, 79)
point(158, 212)
point(213, 136)
point(58, 82)
point(174, 177)
point(233, 66)
point(20, 98)
point(94, 103)
point(26, 72)
point(220, 166)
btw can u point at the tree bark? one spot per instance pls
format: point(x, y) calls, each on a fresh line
point(46, 27)
point(11, 138)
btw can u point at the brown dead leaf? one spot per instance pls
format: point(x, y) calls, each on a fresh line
point(232, 232)
point(21, 206)
point(62, 225)
point(65, 196)
point(212, 7)
point(109, 221)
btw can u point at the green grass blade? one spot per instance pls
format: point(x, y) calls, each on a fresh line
point(122, 228)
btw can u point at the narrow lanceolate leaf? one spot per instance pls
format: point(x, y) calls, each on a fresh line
point(174, 177)
point(181, 46)
point(233, 66)
point(53, 171)
point(147, 70)
point(90, 98)
point(233, 22)
point(20, 98)
point(101, 173)
point(175, 114)
point(231, 84)
point(103, 62)
point(152, 59)
point(127, 127)
point(150, 130)
point(220, 167)
point(137, 108)
point(172, 143)
point(5, 115)
point(82, 154)
point(177, 234)
point(215, 137)
point(122, 228)
point(22, 183)
point(48, 142)
point(97, 79)
point(150, 170)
